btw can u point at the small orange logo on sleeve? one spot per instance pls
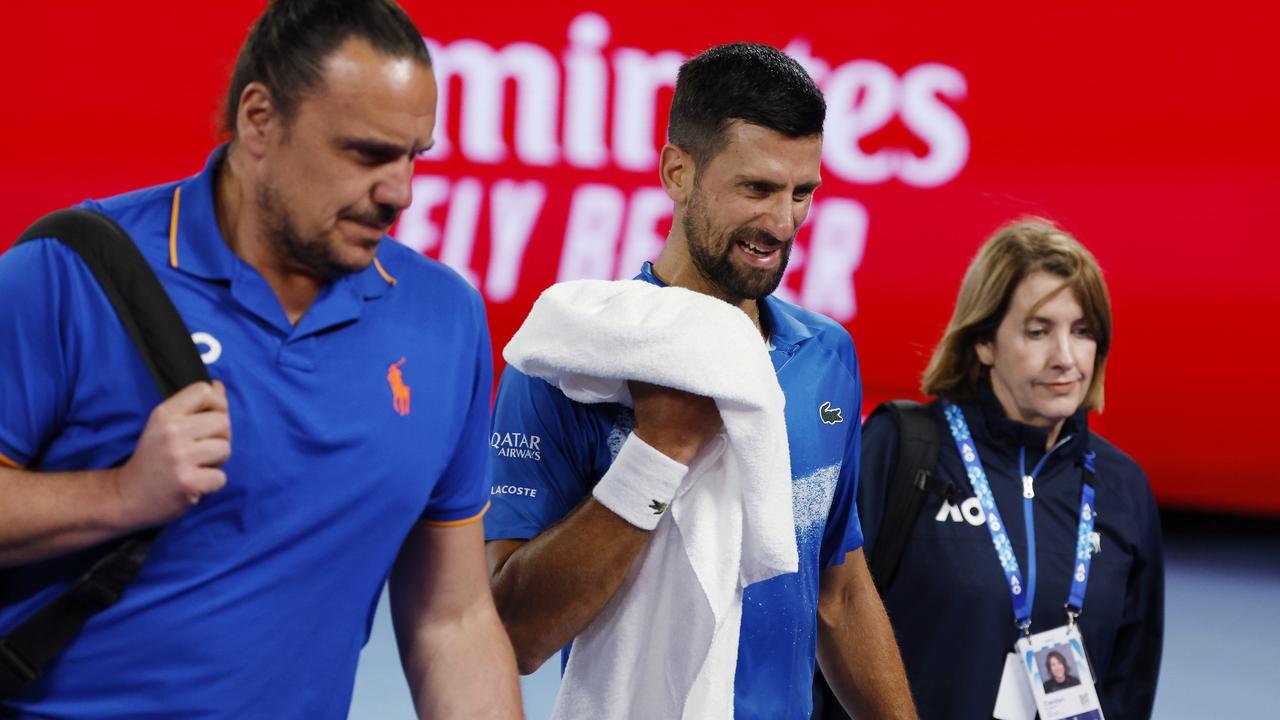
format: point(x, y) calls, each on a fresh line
point(399, 391)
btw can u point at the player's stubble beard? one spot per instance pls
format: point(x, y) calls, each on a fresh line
point(713, 255)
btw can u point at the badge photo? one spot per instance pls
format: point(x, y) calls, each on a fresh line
point(1058, 672)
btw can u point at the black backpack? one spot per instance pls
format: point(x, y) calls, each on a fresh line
point(165, 346)
point(913, 480)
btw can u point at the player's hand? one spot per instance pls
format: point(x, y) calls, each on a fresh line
point(179, 457)
point(675, 423)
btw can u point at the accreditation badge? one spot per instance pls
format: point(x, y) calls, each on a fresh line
point(1054, 665)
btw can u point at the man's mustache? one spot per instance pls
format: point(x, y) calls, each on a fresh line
point(757, 237)
point(381, 216)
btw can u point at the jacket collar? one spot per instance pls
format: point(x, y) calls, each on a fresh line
point(999, 430)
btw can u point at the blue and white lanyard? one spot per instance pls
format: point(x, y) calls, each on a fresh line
point(1023, 594)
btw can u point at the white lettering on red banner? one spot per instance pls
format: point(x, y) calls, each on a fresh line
point(578, 129)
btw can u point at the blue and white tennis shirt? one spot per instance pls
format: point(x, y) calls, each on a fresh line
point(549, 451)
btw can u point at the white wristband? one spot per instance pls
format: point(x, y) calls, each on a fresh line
point(640, 483)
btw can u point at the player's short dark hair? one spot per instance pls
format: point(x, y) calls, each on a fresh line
point(750, 82)
point(288, 44)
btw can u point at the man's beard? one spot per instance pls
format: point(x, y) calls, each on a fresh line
point(317, 256)
point(734, 282)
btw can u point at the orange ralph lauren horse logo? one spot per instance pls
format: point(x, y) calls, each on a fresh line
point(399, 391)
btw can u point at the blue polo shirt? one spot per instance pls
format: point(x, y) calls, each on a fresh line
point(369, 415)
point(549, 451)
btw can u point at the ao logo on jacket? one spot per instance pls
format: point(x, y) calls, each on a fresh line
point(970, 510)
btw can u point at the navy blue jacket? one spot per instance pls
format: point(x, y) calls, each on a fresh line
point(950, 605)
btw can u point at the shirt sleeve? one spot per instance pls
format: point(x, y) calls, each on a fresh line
point(541, 457)
point(843, 533)
point(1129, 689)
point(461, 494)
point(34, 382)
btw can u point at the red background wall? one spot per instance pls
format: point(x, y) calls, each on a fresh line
point(1149, 130)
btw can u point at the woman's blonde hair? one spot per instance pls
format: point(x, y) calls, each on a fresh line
point(1015, 251)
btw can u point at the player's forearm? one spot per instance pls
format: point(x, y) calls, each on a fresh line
point(857, 650)
point(552, 587)
point(463, 668)
point(43, 515)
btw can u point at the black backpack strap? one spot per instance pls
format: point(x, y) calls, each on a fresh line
point(914, 478)
point(144, 308)
point(165, 346)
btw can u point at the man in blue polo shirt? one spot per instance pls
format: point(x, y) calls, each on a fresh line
point(342, 442)
point(741, 168)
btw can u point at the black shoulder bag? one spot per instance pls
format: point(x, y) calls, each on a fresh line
point(913, 480)
point(164, 343)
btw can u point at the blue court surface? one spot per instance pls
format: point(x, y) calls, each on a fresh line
point(1222, 630)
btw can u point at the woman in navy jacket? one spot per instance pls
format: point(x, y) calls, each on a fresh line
point(1023, 357)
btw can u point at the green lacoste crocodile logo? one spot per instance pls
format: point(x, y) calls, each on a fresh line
point(829, 415)
point(658, 507)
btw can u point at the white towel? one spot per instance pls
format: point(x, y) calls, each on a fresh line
point(666, 645)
